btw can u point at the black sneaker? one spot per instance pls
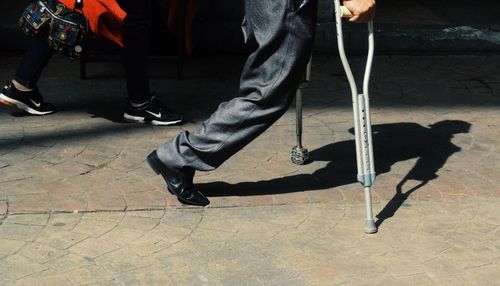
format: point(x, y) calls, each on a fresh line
point(153, 112)
point(29, 101)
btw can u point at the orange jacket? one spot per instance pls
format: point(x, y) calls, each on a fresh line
point(106, 18)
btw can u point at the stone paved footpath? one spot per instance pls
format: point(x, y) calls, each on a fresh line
point(79, 206)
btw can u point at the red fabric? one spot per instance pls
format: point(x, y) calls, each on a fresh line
point(106, 18)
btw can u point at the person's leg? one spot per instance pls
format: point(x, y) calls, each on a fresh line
point(22, 91)
point(269, 80)
point(33, 62)
point(141, 107)
point(136, 38)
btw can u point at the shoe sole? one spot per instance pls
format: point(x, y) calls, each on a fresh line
point(14, 103)
point(152, 161)
point(142, 120)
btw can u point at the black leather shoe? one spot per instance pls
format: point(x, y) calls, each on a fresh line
point(179, 183)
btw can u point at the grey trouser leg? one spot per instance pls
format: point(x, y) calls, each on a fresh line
point(284, 32)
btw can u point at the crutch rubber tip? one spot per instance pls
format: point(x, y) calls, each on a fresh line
point(299, 155)
point(370, 227)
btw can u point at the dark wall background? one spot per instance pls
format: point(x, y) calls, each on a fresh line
point(402, 26)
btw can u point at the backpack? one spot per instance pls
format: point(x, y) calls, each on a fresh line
point(64, 29)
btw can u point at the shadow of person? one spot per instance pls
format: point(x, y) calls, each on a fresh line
point(392, 143)
point(432, 156)
point(108, 109)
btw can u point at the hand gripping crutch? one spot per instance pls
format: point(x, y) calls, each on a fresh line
point(362, 122)
point(300, 154)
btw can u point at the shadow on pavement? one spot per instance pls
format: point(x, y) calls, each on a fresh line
point(392, 143)
point(106, 112)
point(435, 150)
point(42, 139)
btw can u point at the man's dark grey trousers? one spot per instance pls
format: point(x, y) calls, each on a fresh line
point(284, 33)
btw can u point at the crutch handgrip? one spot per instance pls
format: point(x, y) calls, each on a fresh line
point(345, 13)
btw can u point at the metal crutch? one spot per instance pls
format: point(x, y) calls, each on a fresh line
point(362, 122)
point(299, 154)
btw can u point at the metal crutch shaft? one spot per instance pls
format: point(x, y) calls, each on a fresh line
point(362, 121)
point(299, 154)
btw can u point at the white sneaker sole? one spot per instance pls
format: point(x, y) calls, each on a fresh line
point(137, 119)
point(22, 106)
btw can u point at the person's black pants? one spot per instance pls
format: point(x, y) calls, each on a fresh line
point(33, 62)
point(284, 32)
point(136, 39)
